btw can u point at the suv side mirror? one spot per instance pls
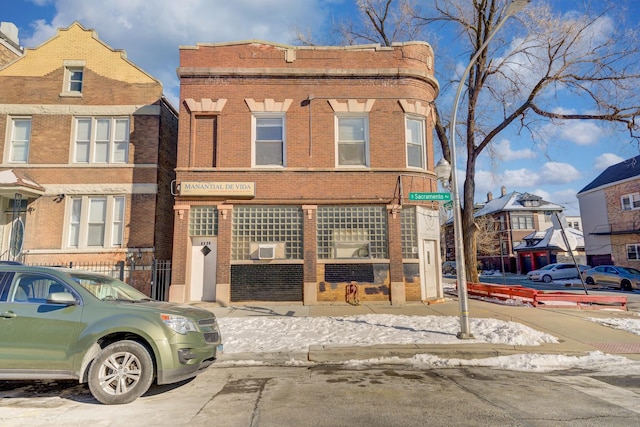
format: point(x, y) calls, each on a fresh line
point(61, 298)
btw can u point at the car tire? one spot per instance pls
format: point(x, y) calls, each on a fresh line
point(546, 278)
point(120, 373)
point(626, 286)
point(589, 281)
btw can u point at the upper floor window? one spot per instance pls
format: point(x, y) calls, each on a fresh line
point(415, 143)
point(630, 201)
point(96, 222)
point(353, 140)
point(522, 222)
point(269, 142)
point(20, 140)
point(73, 78)
point(101, 140)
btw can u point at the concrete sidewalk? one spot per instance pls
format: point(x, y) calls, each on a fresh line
point(576, 335)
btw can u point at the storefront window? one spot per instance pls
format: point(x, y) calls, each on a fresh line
point(258, 230)
point(358, 232)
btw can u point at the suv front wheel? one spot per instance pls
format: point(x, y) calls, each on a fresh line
point(121, 373)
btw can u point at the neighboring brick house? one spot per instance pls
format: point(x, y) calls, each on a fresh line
point(295, 166)
point(89, 149)
point(504, 223)
point(610, 211)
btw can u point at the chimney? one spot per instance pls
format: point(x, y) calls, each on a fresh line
point(503, 190)
point(489, 196)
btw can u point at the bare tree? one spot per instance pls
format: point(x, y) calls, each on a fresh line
point(539, 58)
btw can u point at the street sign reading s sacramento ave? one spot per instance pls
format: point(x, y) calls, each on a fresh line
point(430, 196)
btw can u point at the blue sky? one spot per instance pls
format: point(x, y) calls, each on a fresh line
point(151, 32)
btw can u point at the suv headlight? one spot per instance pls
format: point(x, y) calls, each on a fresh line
point(180, 324)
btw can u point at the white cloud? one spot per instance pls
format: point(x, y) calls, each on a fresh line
point(517, 179)
point(503, 151)
point(558, 173)
point(580, 132)
point(605, 160)
point(151, 31)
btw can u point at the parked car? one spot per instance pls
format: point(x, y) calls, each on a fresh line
point(69, 324)
point(556, 271)
point(625, 278)
point(449, 267)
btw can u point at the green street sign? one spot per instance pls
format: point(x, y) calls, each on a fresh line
point(448, 205)
point(430, 196)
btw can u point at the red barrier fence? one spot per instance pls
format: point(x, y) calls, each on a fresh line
point(542, 299)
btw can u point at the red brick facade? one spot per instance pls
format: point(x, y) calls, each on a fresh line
point(225, 88)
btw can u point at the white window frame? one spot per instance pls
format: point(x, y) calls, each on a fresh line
point(79, 221)
point(13, 141)
point(636, 249)
point(93, 141)
point(410, 142)
point(630, 202)
point(70, 68)
point(365, 118)
point(255, 142)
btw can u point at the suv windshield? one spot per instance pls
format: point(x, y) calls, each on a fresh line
point(107, 288)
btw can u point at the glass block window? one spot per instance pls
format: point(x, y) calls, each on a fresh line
point(409, 233)
point(266, 224)
point(203, 221)
point(352, 232)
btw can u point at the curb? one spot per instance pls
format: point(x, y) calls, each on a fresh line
point(336, 353)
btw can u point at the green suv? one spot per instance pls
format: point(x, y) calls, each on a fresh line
point(60, 323)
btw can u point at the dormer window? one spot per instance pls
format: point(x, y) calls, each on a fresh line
point(73, 78)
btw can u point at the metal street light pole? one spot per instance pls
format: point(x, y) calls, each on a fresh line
point(514, 7)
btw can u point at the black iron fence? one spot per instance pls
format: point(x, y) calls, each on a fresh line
point(151, 278)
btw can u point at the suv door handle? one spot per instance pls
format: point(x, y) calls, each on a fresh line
point(8, 314)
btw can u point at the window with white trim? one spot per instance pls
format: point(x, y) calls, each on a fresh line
point(269, 141)
point(96, 222)
point(630, 201)
point(414, 135)
point(20, 140)
point(101, 140)
point(522, 222)
point(352, 140)
point(73, 79)
point(633, 252)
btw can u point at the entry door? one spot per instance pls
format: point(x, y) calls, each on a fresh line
point(203, 269)
point(429, 270)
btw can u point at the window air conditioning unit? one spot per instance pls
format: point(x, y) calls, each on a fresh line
point(266, 251)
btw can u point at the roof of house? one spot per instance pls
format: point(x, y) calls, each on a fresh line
point(514, 202)
point(552, 238)
point(619, 172)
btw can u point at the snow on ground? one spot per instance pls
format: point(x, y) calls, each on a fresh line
point(629, 325)
point(265, 334)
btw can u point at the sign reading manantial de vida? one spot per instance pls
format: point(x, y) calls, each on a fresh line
point(214, 188)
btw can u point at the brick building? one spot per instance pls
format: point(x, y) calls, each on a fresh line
point(294, 170)
point(89, 148)
point(507, 222)
point(610, 211)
